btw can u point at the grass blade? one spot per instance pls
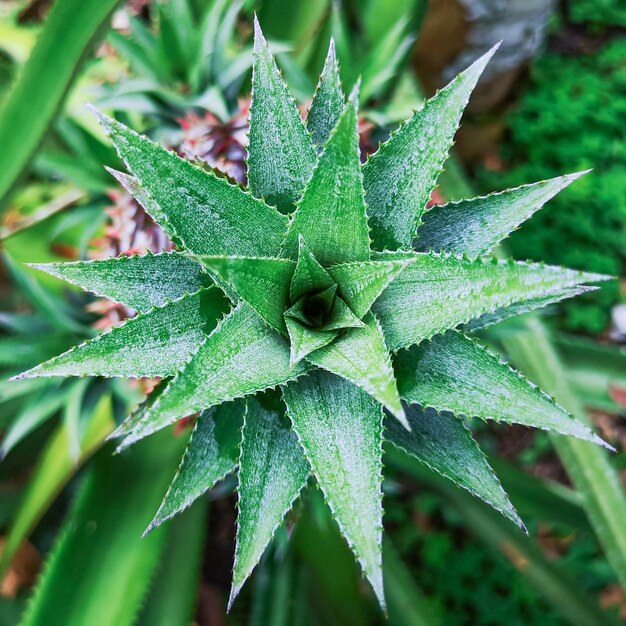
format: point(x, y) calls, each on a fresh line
point(101, 551)
point(69, 35)
point(587, 465)
point(56, 466)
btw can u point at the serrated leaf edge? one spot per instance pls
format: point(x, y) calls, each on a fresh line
point(583, 276)
point(121, 259)
point(129, 440)
point(565, 181)
point(484, 60)
point(263, 41)
point(29, 373)
point(158, 520)
point(510, 514)
point(108, 123)
point(235, 590)
point(535, 388)
point(342, 528)
point(352, 100)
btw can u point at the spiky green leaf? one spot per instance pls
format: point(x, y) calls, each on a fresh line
point(156, 343)
point(309, 275)
point(241, 356)
point(518, 308)
point(340, 428)
point(262, 282)
point(210, 454)
point(361, 356)
point(328, 100)
point(400, 177)
point(474, 227)
point(331, 214)
point(437, 292)
point(454, 373)
point(139, 282)
point(143, 197)
point(442, 442)
point(305, 340)
point(272, 472)
point(360, 284)
point(281, 155)
point(206, 213)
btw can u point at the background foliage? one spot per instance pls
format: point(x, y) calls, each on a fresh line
point(569, 118)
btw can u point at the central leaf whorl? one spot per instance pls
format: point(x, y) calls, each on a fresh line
point(315, 309)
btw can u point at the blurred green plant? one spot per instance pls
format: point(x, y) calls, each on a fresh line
point(571, 117)
point(372, 39)
point(69, 35)
point(84, 407)
point(105, 527)
point(191, 56)
point(453, 570)
point(597, 14)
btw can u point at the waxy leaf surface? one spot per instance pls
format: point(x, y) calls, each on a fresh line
point(436, 293)
point(328, 100)
point(281, 155)
point(305, 340)
point(474, 227)
point(518, 308)
point(340, 428)
point(331, 214)
point(272, 472)
point(360, 284)
point(156, 343)
point(206, 213)
point(309, 275)
point(402, 174)
point(211, 453)
point(361, 356)
point(454, 373)
point(262, 282)
point(240, 357)
point(139, 282)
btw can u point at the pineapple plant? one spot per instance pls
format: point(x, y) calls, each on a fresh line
point(320, 314)
point(185, 56)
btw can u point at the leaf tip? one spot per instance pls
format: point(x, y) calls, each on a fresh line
point(259, 39)
point(125, 443)
point(331, 56)
point(155, 523)
point(576, 175)
point(21, 376)
point(104, 120)
point(599, 441)
point(400, 414)
point(234, 592)
point(353, 98)
point(478, 66)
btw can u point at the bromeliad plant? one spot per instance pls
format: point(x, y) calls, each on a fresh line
point(294, 312)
